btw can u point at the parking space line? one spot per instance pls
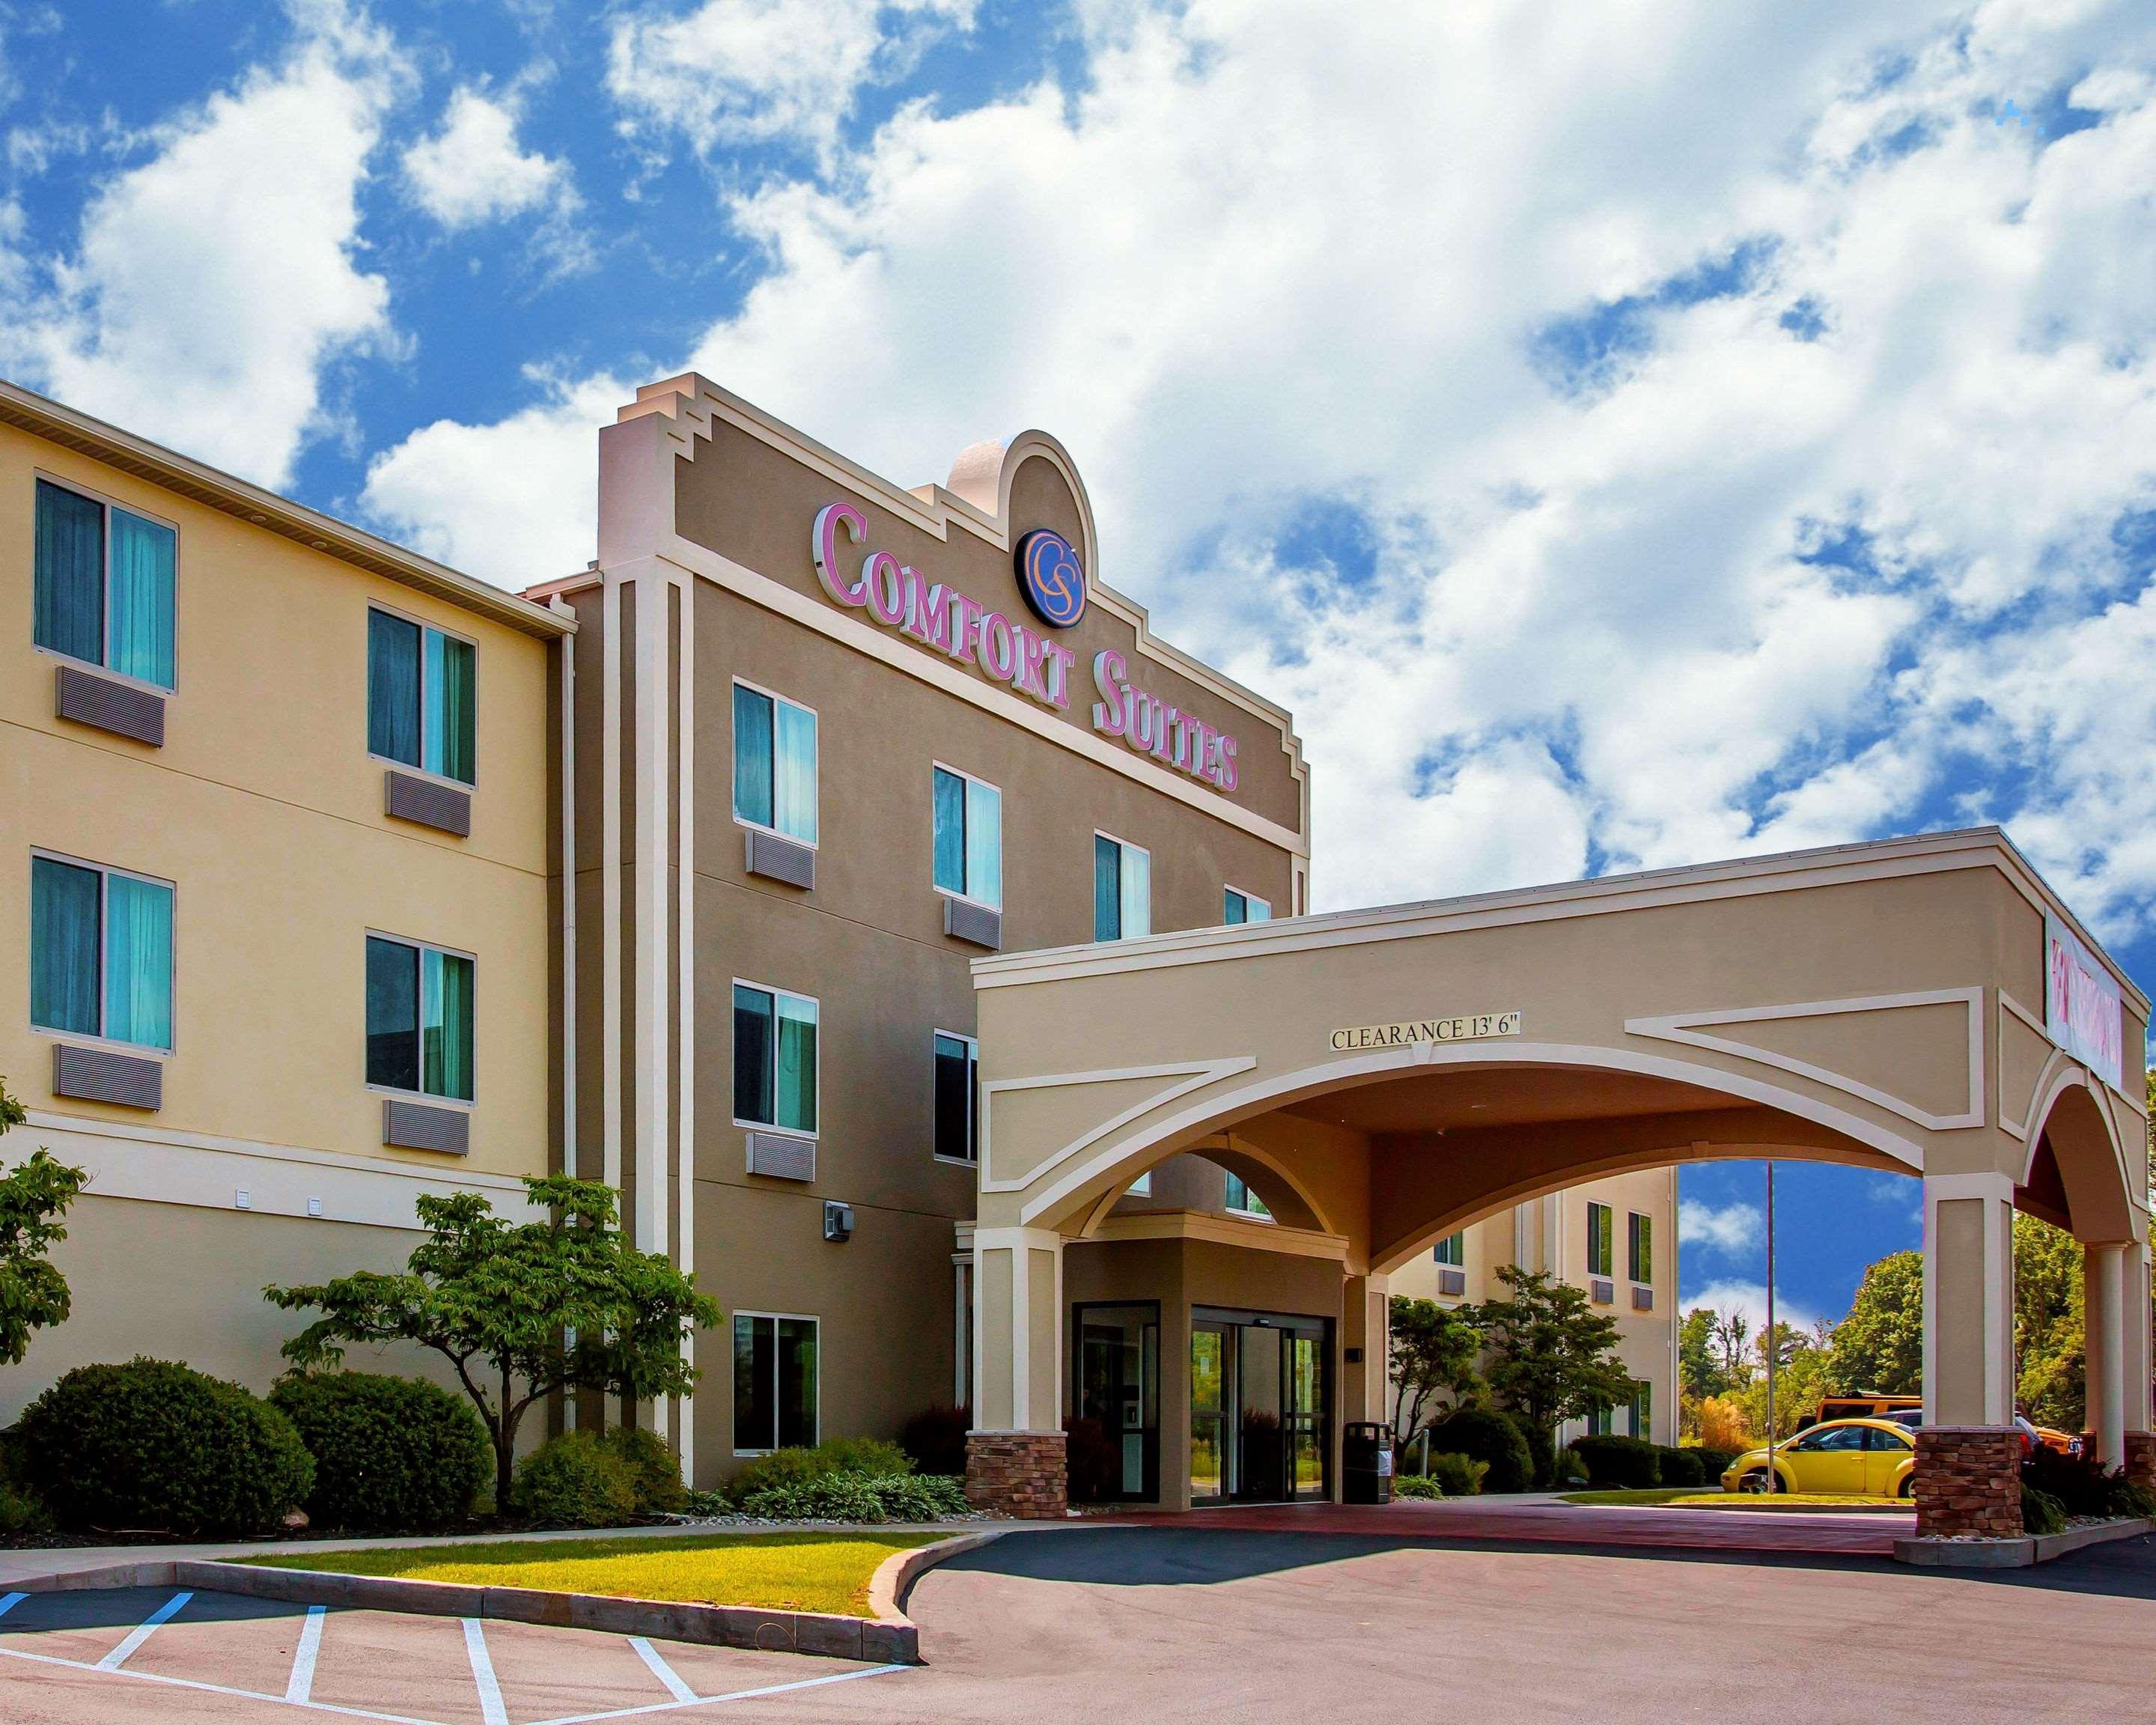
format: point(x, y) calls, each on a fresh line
point(142, 1631)
point(491, 1708)
point(708, 1701)
point(659, 1669)
point(301, 1685)
point(11, 1602)
point(316, 1706)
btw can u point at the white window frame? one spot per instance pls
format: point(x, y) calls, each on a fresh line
point(1647, 1216)
point(1439, 1245)
point(733, 761)
point(758, 1126)
point(1248, 899)
point(422, 624)
point(1609, 1274)
point(733, 1421)
point(427, 1097)
point(1103, 833)
point(960, 773)
point(972, 1093)
point(110, 503)
point(104, 872)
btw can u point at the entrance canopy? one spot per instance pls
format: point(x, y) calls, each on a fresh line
point(1923, 1006)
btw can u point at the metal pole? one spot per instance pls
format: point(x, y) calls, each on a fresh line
point(1773, 1351)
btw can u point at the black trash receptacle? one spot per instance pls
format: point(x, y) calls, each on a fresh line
point(1366, 1462)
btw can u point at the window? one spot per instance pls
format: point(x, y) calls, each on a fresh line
point(418, 1018)
point(1243, 908)
point(1141, 1187)
point(422, 705)
point(100, 953)
point(958, 1127)
point(774, 1382)
point(1601, 1245)
point(969, 837)
point(103, 585)
point(1643, 1409)
point(774, 764)
point(1452, 1249)
point(774, 1059)
point(1640, 1248)
point(1242, 1200)
point(1122, 889)
point(1597, 1422)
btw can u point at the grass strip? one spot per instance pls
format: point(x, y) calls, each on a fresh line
point(1691, 1498)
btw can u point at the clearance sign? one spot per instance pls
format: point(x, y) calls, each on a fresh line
point(1465, 1027)
point(2081, 1003)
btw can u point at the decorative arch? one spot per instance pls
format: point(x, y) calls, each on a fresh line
point(2071, 1121)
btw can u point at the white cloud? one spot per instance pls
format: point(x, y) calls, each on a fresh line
point(760, 71)
point(1749, 1300)
point(211, 285)
point(1735, 1228)
point(473, 171)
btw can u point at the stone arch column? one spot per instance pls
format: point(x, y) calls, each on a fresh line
point(1015, 1451)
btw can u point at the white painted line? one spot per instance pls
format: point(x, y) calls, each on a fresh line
point(11, 1602)
point(136, 1636)
point(491, 1712)
point(315, 1706)
point(659, 1669)
point(711, 1700)
point(301, 1687)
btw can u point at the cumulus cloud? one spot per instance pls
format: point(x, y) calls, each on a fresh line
point(473, 170)
point(1748, 1300)
point(1731, 1230)
point(211, 285)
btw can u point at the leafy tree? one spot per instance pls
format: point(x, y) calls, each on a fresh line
point(1801, 1366)
point(2050, 1347)
point(1548, 1354)
point(1434, 1350)
point(1879, 1346)
point(33, 1196)
point(529, 1307)
point(1699, 1372)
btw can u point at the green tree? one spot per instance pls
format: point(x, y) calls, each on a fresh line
point(1710, 1353)
point(1879, 1346)
point(33, 1196)
point(1433, 1352)
point(2049, 1348)
point(1547, 1354)
point(1802, 1364)
point(519, 1309)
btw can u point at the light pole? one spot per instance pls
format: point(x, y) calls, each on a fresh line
point(1773, 1352)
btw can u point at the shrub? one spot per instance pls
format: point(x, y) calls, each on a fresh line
point(1410, 1485)
point(2041, 1511)
point(2128, 1498)
point(1458, 1476)
point(871, 1456)
point(151, 1444)
point(574, 1480)
point(2079, 1483)
point(858, 1498)
point(1569, 1470)
point(1681, 1467)
point(1722, 1426)
point(653, 1467)
point(1489, 1437)
point(1714, 1463)
point(936, 1440)
point(1620, 1463)
point(1541, 1450)
point(22, 1513)
point(389, 1452)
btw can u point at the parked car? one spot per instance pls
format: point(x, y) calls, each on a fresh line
point(1868, 1404)
point(1855, 1458)
point(2067, 1443)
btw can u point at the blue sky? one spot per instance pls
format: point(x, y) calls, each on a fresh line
point(1625, 436)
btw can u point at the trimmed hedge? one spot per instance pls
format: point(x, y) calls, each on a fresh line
point(575, 1481)
point(1620, 1463)
point(155, 1445)
point(654, 1469)
point(393, 1453)
point(1713, 1463)
point(1541, 1448)
point(1487, 1436)
point(1681, 1467)
point(858, 1497)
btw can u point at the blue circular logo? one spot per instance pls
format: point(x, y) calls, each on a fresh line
point(1051, 578)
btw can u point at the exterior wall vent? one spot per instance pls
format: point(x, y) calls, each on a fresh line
point(1642, 1298)
point(977, 923)
point(121, 708)
point(440, 806)
point(1452, 1282)
point(99, 1075)
point(414, 1126)
point(781, 1157)
point(1603, 1293)
point(778, 859)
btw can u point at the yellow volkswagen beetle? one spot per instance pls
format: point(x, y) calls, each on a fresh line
point(1869, 1458)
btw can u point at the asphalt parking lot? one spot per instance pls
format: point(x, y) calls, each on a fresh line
point(1134, 1624)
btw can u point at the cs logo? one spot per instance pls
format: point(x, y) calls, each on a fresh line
point(1050, 576)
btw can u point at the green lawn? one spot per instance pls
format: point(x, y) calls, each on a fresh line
point(1693, 1497)
point(790, 1572)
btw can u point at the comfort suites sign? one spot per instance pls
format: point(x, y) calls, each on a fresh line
point(1031, 661)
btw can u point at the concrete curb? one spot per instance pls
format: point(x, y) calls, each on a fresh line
point(896, 1574)
point(2014, 1554)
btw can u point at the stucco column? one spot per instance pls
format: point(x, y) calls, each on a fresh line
point(2103, 1290)
point(2136, 1340)
point(1014, 1454)
point(1366, 1349)
point(1968, 1300)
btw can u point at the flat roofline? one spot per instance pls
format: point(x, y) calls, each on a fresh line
point(63, 425)
point(1963, 848)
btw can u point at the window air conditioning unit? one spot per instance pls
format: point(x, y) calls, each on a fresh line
point(838, 1221)
point(1601, 1292)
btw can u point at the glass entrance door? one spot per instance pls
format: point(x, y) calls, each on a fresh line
point(1210, 1406)
point(1261, 1453)
point(1260, 1428)
point(1119, 1388)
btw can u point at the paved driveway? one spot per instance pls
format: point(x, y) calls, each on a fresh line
point(1129, 1625)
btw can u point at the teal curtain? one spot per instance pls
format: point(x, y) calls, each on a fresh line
point(1137, 892)
point(1256, 910)
point(1107, 888)
point(1237, 907)
point(793, 773)
point(143, 557)
point(138, 962)
point(752, 749)
point(453, 709)
point(393, 688)
point(64, 958)
point(445, 1025)
point(794, 1080)
point(68, 602)
point(950, 838)
point(984, 842)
